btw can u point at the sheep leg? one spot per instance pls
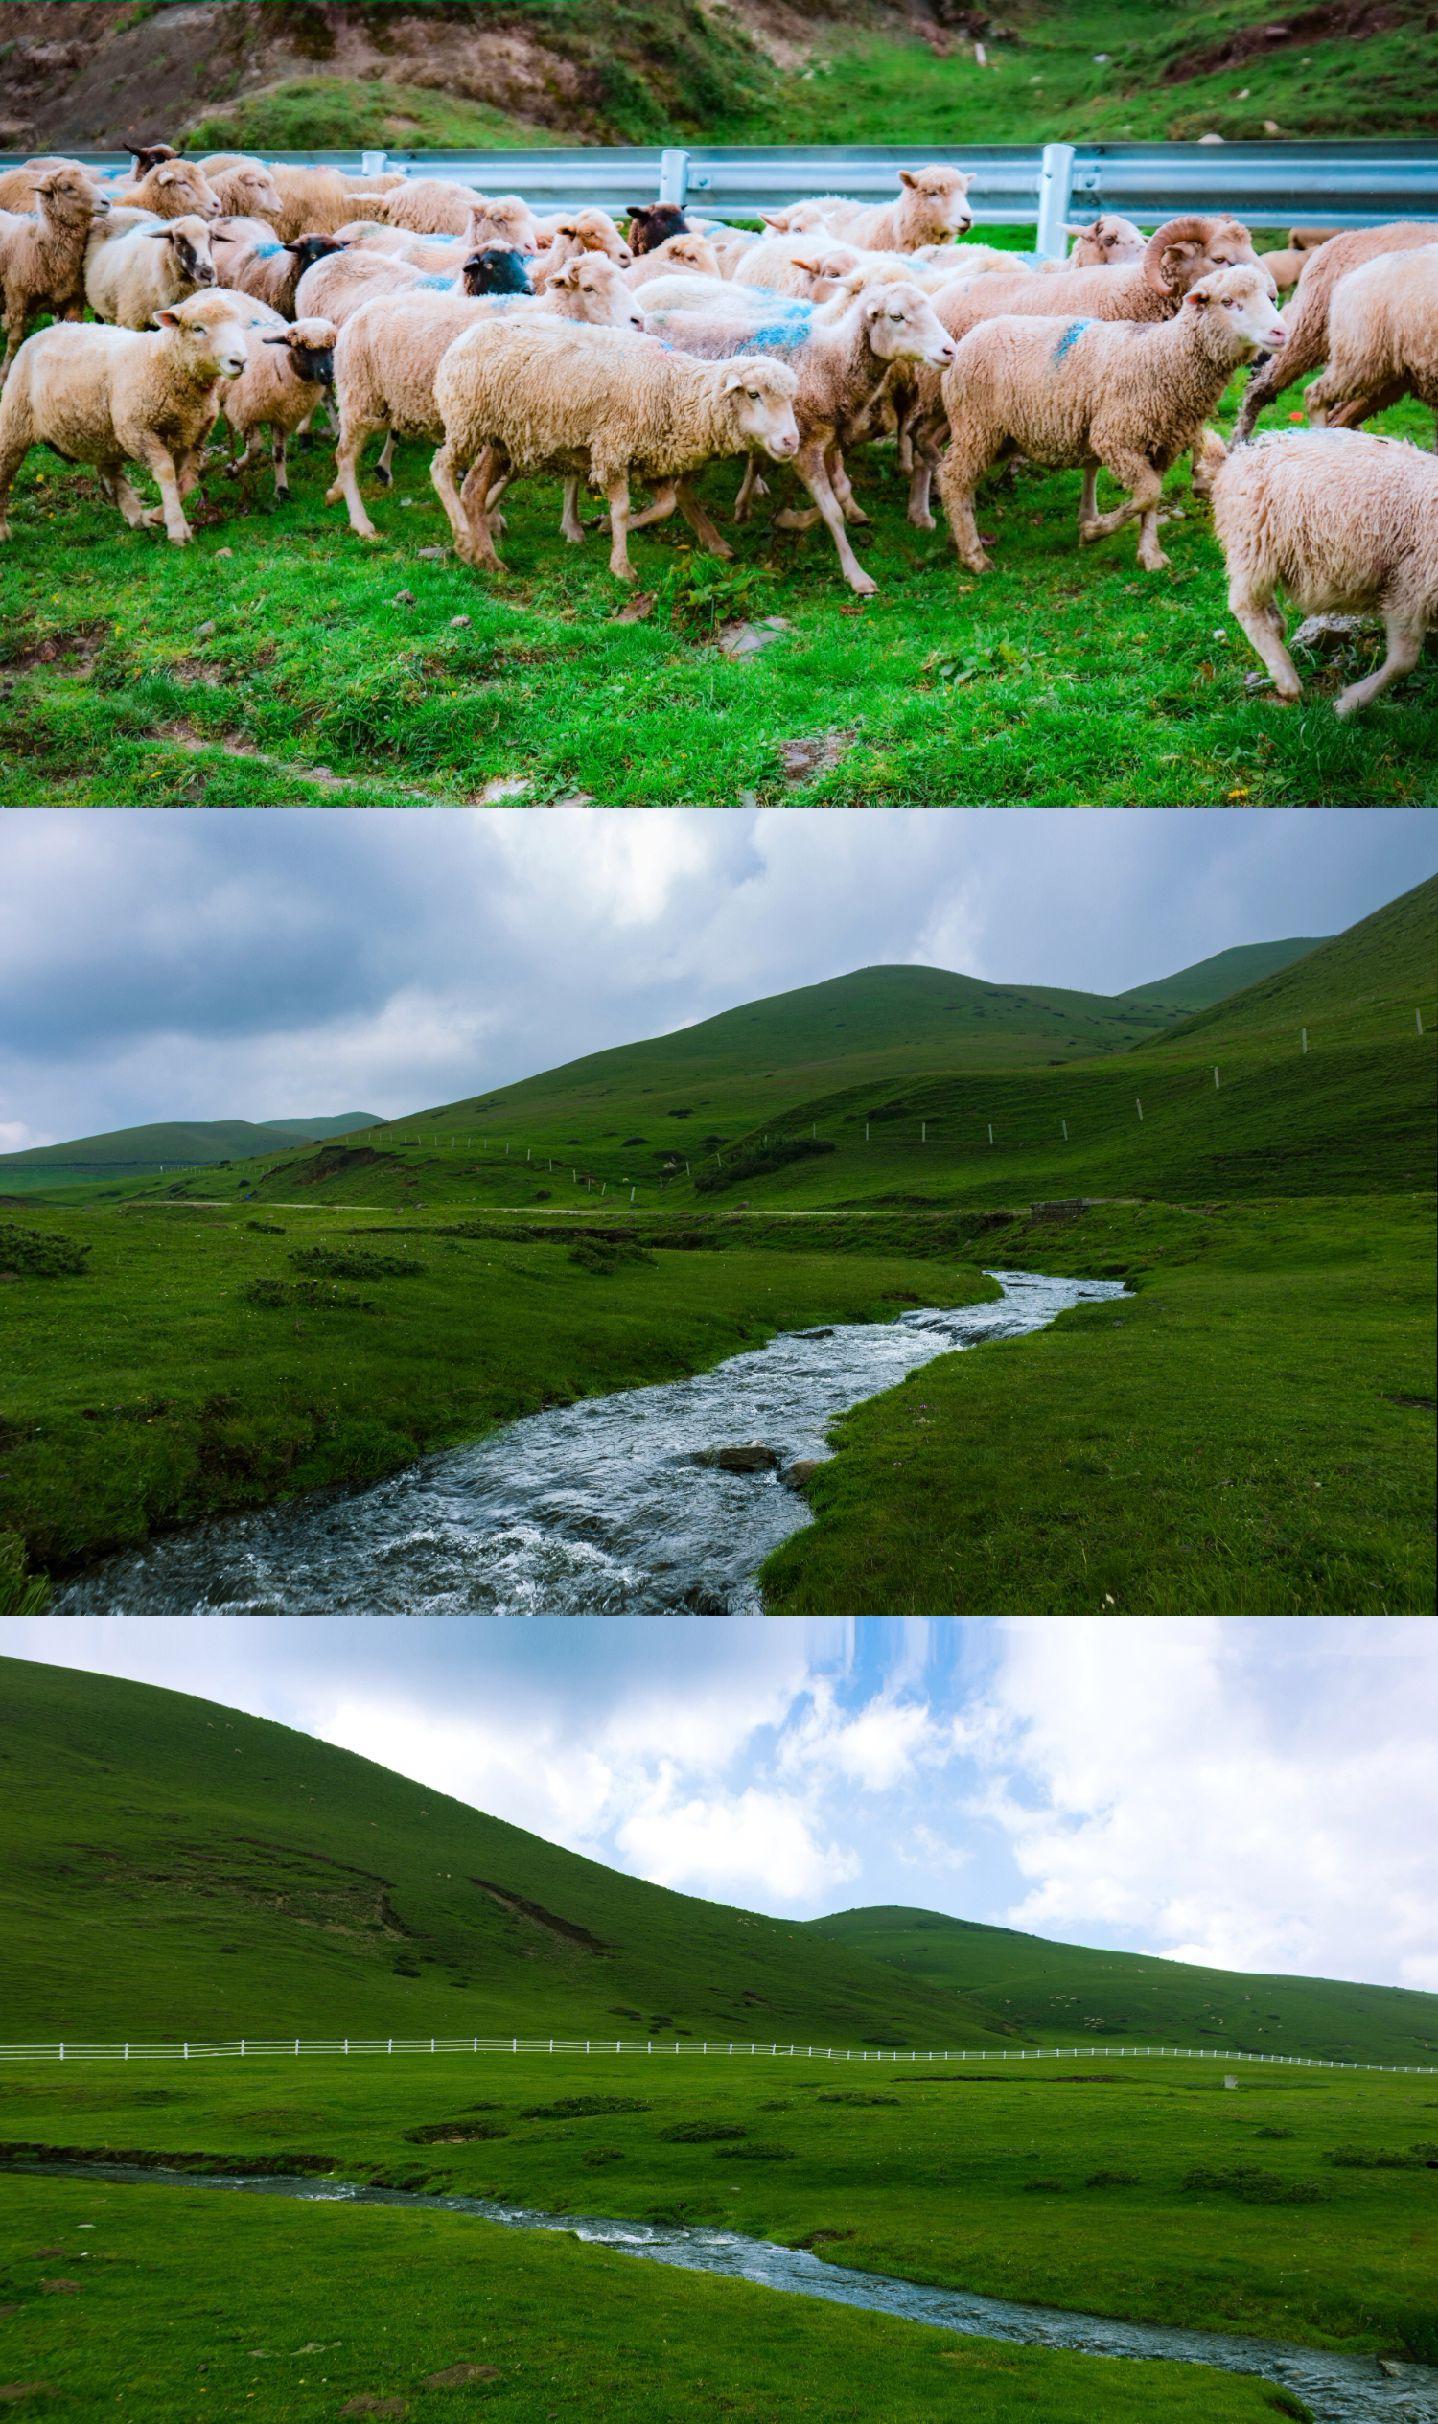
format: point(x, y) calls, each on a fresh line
point(160, 464)
point(346, 488)
point(280, 456)
point(384, 468)
point(750, 487)
point(839, 481)
point(661, 505)
point(1349, 414)
point(570, 523)
point(1255, 611)
point(128, 498)
point(472, 540)
point(699, 522)
point(797, 517)
point(12, 455)
point(1145, 487)
point(959, 474)
point(617, 491)
point(809, 463)
point(1405, 644)
point(1088, 500)
point(1304, 351)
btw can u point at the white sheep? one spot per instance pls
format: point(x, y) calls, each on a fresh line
point(1306, 313)
point(389, 351)
point(434, 206)
point(1107, 241)
point(116, 396)
point(580, 231)
point(1130, 397)
point(522, 393)
point(137, 271)
point(313, 201)
point(288, 372)
point(1382, 338)
point(172, 189)
point(685, 255)
point(42, 252)
point(1287, 265)
point(1342, 521)
point(17, 185)
point(845, 354)
point(250, 257)
point(932, 207)
point(248, 191)
point(332, 288)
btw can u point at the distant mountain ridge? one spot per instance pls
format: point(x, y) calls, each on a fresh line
point(159, 1145)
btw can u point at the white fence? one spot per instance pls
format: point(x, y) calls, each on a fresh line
point(187, 2049)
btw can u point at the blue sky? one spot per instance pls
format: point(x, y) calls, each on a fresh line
point(1261, 1794)
point(212, 963)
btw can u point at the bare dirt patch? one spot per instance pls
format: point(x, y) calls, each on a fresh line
point(1333, 21)
point(71, 654)
point(518, 1907)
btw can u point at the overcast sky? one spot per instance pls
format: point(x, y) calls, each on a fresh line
point(202, 963)
point(1256, 1793)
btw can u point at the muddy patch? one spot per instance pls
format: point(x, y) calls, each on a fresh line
point(1334, 21)
point(69, 654)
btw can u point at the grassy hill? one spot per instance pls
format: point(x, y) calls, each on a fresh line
point(471, 73)
point(172, 1866)
point(157, 1145)
point(1213, 980)
point(1062, 1993)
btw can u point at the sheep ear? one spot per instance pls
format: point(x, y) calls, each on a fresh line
point(907, 177)
point(967, 177)
point(167, 319)
point(275, 340)
point(810, 268)
point(159, 235)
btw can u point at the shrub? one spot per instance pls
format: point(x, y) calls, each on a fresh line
point(355, 1262)
point(38, 1254)
point(455, 2133)
point(701, 2133)
point(578, 2108)
point(595, 2156)
point(1112, 2179)
point(278, 1295)
point(756, 1161)
point(1047, 2188)
point(853, 2095)
point(756, 2152)
point(606, 1255)
point(1252, 2186)
point(1378, 2158)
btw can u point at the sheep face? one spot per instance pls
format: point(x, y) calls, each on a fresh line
point(1240, 311)
point(694, 253)
point(189, 241)
point(180, 190)
point(652, 224)
point(496, 269)
point(594, 231)
point(256, 193)
point(149, 155)
point(310, 346)
point(902, 326)
point(940, 201)
point(760, 400)
point(1110, 241)
point(208, 336)
point(503, 220)
point(593, 290)
point(799, 219)
point(69, 197)
point(309, 249)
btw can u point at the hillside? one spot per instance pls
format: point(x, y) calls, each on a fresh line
point(158, 1145)
point(171, 1866)
point(1227, 972)
point(498, 73)
point(1062, 1993)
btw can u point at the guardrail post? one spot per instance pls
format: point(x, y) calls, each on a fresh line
point(674, 176)
point(372, 163)
point(1056, 169)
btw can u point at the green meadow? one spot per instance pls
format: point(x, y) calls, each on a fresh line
point(184, 2304)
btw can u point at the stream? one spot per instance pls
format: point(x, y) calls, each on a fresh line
point(1337, 2389)
point(607, 1506)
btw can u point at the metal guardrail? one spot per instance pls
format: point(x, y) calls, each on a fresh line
point(1266, 184)
point(297, 2048)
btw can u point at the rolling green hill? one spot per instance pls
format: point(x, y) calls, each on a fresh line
point(1062, 1993)
point(1213, 980)
point(167, 1144)
point(173, 1867)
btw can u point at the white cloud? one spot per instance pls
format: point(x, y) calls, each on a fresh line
point(1229, 1792)
point(753, 1841)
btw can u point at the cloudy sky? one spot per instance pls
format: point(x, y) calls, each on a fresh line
point(211, 963)
point(1258, 1794)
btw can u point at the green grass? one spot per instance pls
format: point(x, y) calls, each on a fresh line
point(153, 1389)
point(1252, 1433)
point(1053, 1990)
point(330, 113)
point(190, 2304)
point(315, 686)
point(128, 1153)
point(1160, 82)
point(929, 2179)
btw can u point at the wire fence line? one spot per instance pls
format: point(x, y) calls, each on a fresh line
point(186, 2049)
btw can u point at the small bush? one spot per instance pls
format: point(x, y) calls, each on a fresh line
point(1377, 2158)
point(281, 1295)
point(38, 1254)
point(606, 1255)
point(701, 2133)
point(756, 2152)
point(1252, 2186)
point(597, 2156)
point(578, 2108)
point(455, 2133)
point(853, 2095)
point(1273, 2133)
point(355, 1262)
point(265, 1228)
point(1112, 2179)
point(757, 1160)
point(1047, 2188)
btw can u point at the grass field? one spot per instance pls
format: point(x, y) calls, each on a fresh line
point(190, 2305)
point(1228, 2211)
point(174, 1864)
point(313, 669)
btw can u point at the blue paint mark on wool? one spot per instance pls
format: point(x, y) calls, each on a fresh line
point(268, 252)
point(781, 336)
point(1070, 338)
point(438, 285)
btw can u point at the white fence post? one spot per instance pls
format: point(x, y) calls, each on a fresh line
point(372, 163)
point(674, 176)
point(1056, 172)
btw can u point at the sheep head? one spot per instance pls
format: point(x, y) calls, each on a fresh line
point(310, 346)
point(759, 398)
point(1240, 316)
point(902, 326)
point(593, 290)
point(207, 335)
point(653, 223)
point(940, 200)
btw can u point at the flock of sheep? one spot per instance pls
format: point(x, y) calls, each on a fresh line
point(229, 289)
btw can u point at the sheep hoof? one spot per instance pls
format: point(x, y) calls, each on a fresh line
point(978, 562)
point(1157, 562)
point(1347, 705)
point(385, 478)
point(182, 536)
point(923, 521)
point(862, 585)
